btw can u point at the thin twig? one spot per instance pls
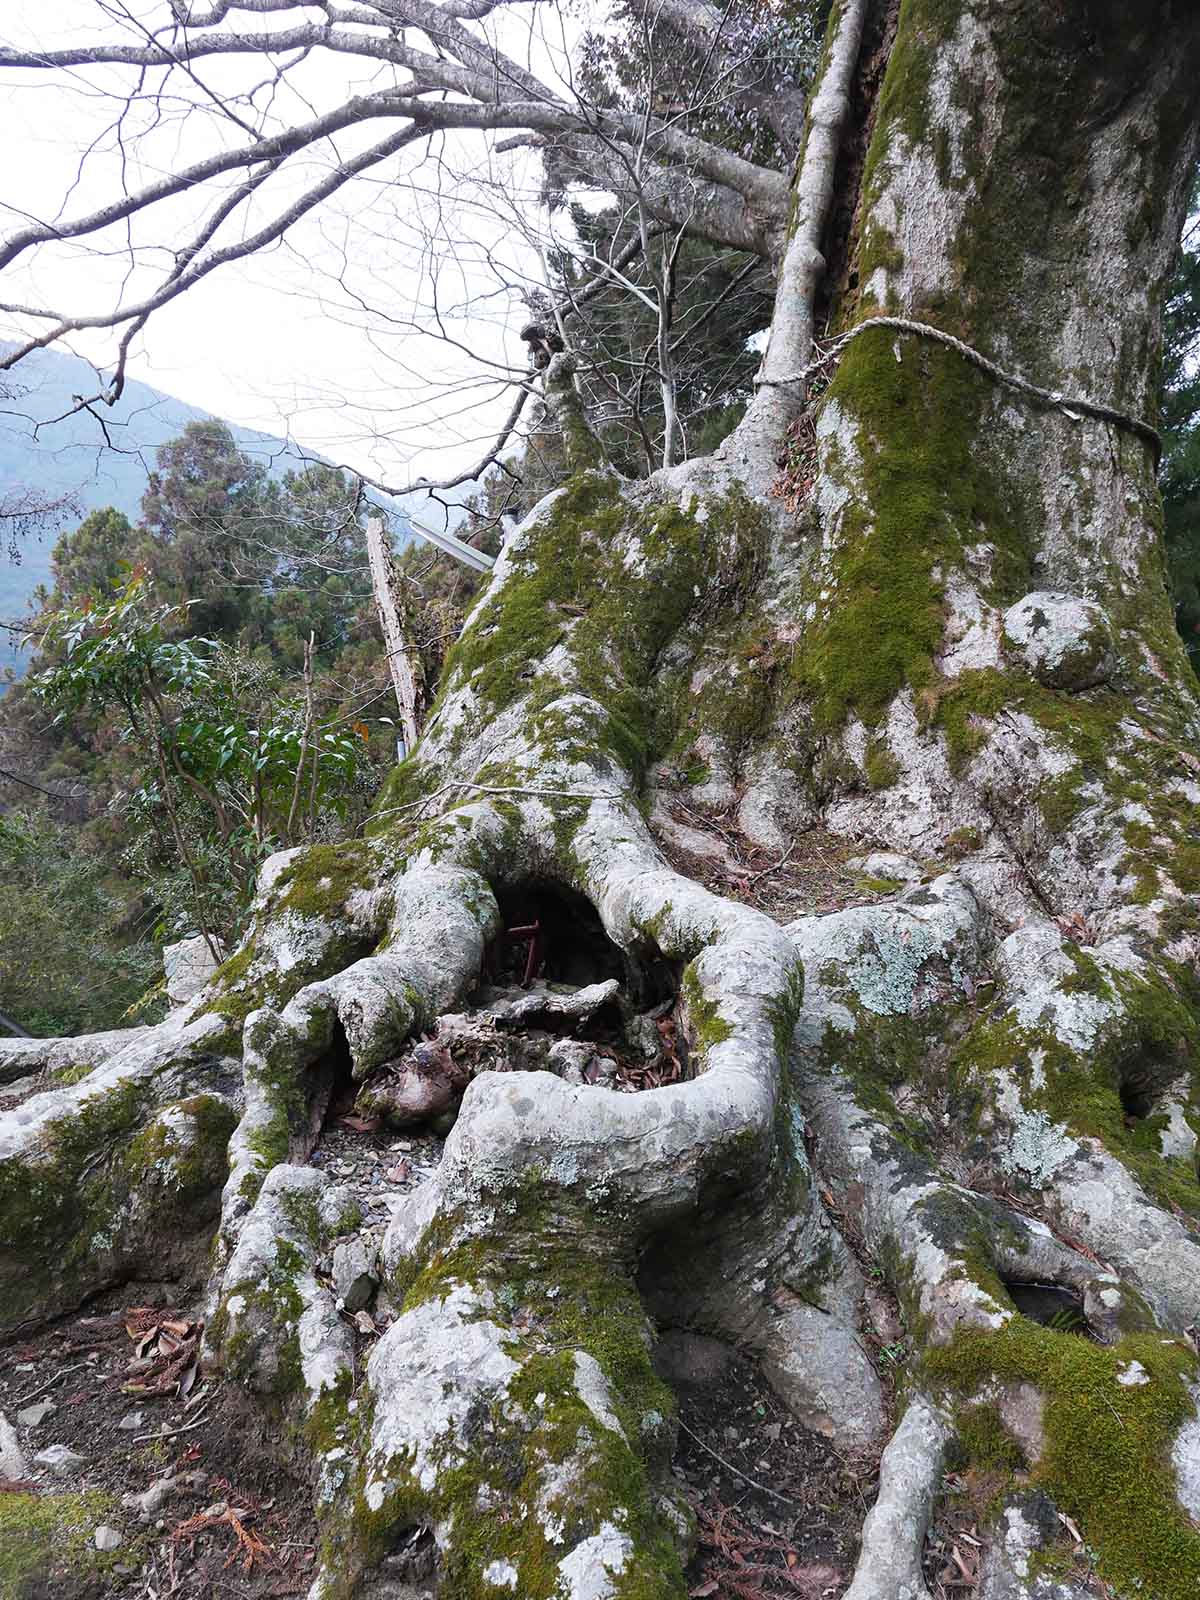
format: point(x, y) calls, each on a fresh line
point(171, 1433)
point(737, 1471)
point(1067, 403)
point(775, 865)
point(57, 1378)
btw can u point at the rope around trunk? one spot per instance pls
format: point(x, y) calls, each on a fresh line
point(1070, 404)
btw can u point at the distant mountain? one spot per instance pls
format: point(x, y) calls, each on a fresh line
point(71, 456)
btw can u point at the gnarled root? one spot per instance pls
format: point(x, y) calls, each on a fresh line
point(894, 1533)
point(118, 1174)
point(889, 1063)
point(515, 1265)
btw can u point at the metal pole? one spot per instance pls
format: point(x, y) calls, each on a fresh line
point(450, 546)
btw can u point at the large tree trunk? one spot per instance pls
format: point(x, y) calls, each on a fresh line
point(927, 615)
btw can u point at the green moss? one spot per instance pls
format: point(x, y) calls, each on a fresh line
point(322, 877)
point(988, 1443)
point(240, 989)
point(48, 1537)
point(963, 708)
point(64, 1077)
point(962, 842)
point(704, 1022)
point(1106, 1461)
point(873, 886)
point(522, 622)
point(1089, 976)
point(233, 971)
point(925, 493)
point(1059, 801)
point(405, 786)
point(880, 765)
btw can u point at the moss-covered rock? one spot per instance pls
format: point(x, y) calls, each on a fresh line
point(47, 1549)
point(111, 1187)
point(1106, 1460)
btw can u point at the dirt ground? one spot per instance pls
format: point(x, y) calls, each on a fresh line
point(235, 1526)
point(778, 1508)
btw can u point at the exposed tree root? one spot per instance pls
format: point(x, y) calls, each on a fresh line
point(894, 1532)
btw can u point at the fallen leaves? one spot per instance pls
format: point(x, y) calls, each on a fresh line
point(358, 1124)
point(756, 1561)
point(220, 1515)
point(166, 1356)
point(957, 1552)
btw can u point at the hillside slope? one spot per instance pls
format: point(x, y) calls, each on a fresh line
point(71, 455)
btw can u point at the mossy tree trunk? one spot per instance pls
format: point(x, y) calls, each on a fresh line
point(927, 614)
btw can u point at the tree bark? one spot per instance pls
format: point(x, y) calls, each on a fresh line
point(927, 614)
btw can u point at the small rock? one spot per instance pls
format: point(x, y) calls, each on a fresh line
point(131, 1421)
point(570, 1059)
point(353, 1275)
point(12, 1458)
point(59, 1459)
point(106, 1538)
point(602, 1071)
point(34, 1416)
point(1133, 1375)
point(188, 966)
point(887, 864)
point(151, 1501)
point(1022, 1409)
point(643, 1038)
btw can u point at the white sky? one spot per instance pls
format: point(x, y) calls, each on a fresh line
point(273, 342)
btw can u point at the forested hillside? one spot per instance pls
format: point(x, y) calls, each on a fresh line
point(206, 686)
point(72, 459)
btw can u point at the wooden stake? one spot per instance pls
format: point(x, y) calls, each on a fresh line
point(403, 660)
